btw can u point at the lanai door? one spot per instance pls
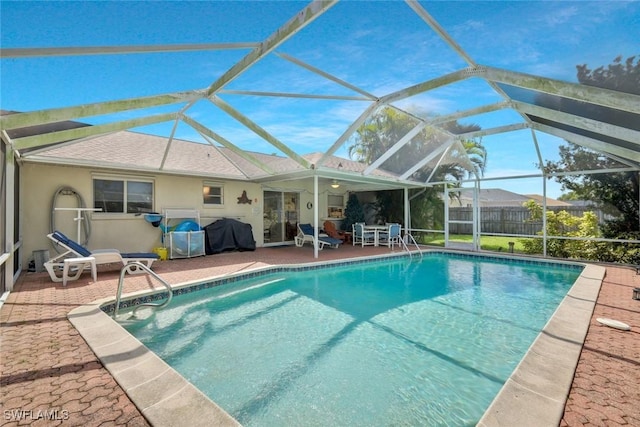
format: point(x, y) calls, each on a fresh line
point(466, 222)
point(280, 216)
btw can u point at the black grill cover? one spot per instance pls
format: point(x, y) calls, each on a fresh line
point(228, 235)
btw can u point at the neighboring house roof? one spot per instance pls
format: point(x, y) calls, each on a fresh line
point(492, 196)
point(582, 203)
point(499, 197)
point(550, 202)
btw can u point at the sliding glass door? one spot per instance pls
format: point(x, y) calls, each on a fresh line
point(280, 216)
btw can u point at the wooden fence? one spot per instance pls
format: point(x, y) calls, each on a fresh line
point(508, 219)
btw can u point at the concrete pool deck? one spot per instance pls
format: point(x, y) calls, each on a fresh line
point(51, 376)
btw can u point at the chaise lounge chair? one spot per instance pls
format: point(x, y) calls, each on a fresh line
point(80, 257)
point(306, 234)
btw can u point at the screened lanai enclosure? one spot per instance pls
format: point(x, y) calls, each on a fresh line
point(454, 114)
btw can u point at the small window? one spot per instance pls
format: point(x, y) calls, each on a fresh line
point(336, 206)
point(122, 195)
point(212, 194)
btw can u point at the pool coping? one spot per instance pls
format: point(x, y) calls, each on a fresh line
point(535, 393)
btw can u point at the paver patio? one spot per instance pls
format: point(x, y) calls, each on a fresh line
point(49, 376)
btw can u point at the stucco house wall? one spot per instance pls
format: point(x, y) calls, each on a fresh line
point(130, 233)
point(126, 232)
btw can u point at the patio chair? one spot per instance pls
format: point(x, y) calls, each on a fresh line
point(79, 257)
point(391, 236)
point(362, 237)
point(306, 234)
point(332, 231)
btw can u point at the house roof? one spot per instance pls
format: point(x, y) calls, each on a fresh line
point(498, 196)
point(131, 150)
point(550, 202)
point(604, 120)
point(126, 150)
point(502, 196)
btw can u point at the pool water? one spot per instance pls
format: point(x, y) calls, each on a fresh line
point(398, 342)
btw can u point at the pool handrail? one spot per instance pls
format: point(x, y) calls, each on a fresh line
point(409, 236)
point(140, 265)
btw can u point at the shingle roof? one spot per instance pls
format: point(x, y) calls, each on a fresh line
point(139, 151)
point(347, 165)
point(550, 202)
point(498, 195)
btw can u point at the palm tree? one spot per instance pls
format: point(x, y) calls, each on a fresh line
point(387, 126)
point(470, 160)
point(379, 133)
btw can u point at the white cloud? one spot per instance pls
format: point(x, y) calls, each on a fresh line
point(558, 16)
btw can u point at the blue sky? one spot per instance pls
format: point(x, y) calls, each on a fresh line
point(378, 46)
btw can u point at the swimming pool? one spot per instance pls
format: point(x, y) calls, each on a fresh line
point(393, 342)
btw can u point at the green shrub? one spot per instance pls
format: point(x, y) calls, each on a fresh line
point(563, 224)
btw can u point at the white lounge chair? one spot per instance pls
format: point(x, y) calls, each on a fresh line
point(75, 251)
point(306, 234)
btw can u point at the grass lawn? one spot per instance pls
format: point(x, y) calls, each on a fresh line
point(487, 243)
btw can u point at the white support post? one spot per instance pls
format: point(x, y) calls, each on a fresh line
point(446, 215)
point(476, 216)
point(9, 214)
point(407, 208)
point(315, 216)
point(544, 215)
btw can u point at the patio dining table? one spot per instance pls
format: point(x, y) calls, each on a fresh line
point(376, 232)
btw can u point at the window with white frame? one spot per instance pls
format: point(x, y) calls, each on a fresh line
point(335, 204)
point(212, 193)
point(122, 195)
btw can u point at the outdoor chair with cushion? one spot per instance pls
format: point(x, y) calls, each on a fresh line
point(332, 231)
point(78, 256)
point(306, 233)
point(391, 236)
point(361, 236)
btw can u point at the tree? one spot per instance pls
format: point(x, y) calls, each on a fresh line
point(617, 76)
point(388, 126)
point(568, 197)
point(618, 190)
point(353, 213)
